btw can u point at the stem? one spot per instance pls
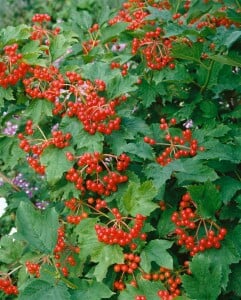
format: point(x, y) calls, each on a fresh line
point(208, 77)
point(237, 174)
point(98, 211)
point(14, 270)
point(41, 131)
point(7, 180)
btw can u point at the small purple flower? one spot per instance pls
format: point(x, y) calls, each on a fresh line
point(55, 127)
point(24, 185)
point(10, 129)
point(1, 181)
point(118, 47)
point(188, 124)
point(42, 204)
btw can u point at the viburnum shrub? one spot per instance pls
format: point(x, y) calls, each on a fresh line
point(120, 154)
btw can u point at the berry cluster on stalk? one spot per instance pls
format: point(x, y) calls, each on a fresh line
point(64, 253)
point(131, 263)
point(135, 12)
point(85, 100)
point(97, 172)
point(43, 83)
point(195, 233)
point(171, 280)
point(76, 206)
point(121, 232)
point(40, 30)
point(7, 286)
point(12, 66)
point(35, 146)
point(155, 48)
point(33, 268)
point(175, 146)
point(123, 67)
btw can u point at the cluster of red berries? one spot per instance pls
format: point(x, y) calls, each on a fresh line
point(124, 67)
point(12, 68)
point(171, 280)
point(43, 83)
point(131, 263)
point(89, 45)
point(7, 287)
point(175, 146)
point(192, 231)
point(121, 233)
point(64, 253)
point(97, 172)
point(214, 22)
point(98, 203)
point(35, 148)
point(33, 268)
point(40, 18)
point(74, 205)
point(155, 48)
point(91, 108)
point(41, 32)
point(134, 13)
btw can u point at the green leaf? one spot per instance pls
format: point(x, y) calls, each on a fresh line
point(235, 279)
point(12, 34)
point(156, 251)
point(216, 150)
point(191, 170)
point(207, 198)
point(145, 287)
point(100, 253)
point(164, 225)
point(140, 149)
point(205, 281)
point(56, 163)
point(180, 74)
point(227, 59)
point(135, 125)
point(228, 188)
point(5, 94)
point(10, 152)
point(187, 52)
point(90, 143)
point(91, 290)
point(228, 254)
point(10, 250)
point(147, 93)
point(138, 199)
point(106, 256)
point(120, 85)
point(98, 70)
point(108, 33)
point(37, 228)
point(38, 110)
point(231, 38)
point(163, 14)
point(233, 15)
point(59, 46)
point(209, 109)
point(158, 174)
point(87, 238)
point(41, 290)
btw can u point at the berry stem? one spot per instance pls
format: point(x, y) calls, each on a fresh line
point(7, 180)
